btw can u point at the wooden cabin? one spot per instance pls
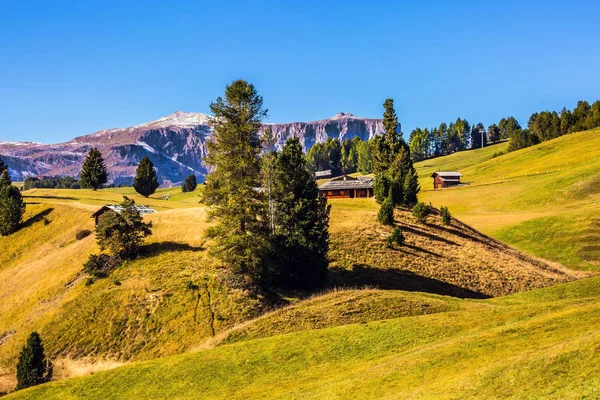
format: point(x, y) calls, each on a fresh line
point(347, 187)
point(118, 208)
point(442, 179)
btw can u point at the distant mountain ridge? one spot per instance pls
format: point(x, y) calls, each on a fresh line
point(175, 143)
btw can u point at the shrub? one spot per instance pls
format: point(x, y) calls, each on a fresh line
point(446, 216)
point(122, 233)
point(395, 237)
point(99, 265)
point(386, 212)
point(189, 185)
point(33, 368)
point(421, 211)
point(83, 234)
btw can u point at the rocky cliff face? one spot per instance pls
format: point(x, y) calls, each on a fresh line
point(176, 144)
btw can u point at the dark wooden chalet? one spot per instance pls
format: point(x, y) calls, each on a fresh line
point(344, 187)
point(443, 179)
point(118, 208)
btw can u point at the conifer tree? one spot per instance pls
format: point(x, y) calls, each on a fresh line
point(93, 172)
point(411, 187)
point(33, 368)
point(5, 180)
point(241, 229)
point(3, 166)
point(189, 184)
point(145, 182)
point(12, 206)
point(301, 240)
point(386, 212)
point(124, 232)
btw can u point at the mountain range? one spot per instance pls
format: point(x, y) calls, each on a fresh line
point(176, 144)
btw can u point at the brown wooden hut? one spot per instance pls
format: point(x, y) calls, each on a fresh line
point(347, 187)
point(444, 179)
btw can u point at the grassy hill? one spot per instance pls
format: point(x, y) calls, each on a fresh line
point(543, 344)
point(173, 298)
point(545, 199)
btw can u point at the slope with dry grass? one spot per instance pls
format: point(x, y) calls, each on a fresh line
point(445, 259)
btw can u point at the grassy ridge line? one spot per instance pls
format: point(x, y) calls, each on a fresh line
point(541, 344)
point(512, 198)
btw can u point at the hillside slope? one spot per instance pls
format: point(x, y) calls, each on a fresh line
point(542, 344)
point(544, 199)
point(173, 297)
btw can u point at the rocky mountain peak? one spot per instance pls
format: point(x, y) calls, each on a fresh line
point(341, 115)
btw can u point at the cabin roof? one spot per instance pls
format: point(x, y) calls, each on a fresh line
point(348, 182)
point(323, 174)
point(447, 174)
point(118, 208)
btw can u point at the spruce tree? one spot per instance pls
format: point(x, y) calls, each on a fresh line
point(189, 185)
point(392, 163)
point(241, 230)
point(411, 187)
point(386, 212)
point(12, 206)
point(145, 182)
point(33, 368)
point(5, 180)
point(93, 172)
point(301, 238)
point(3, 166)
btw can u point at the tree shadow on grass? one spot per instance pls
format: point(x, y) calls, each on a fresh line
point(461, 234)
point(414, 231)
point(36, 218)
point(154, 249)
point(393, 279)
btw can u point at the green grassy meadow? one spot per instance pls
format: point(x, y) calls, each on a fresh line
point(542, 344)
point(545, 200)
point(451, 314)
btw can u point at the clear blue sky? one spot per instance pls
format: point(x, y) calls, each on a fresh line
point(71, 68)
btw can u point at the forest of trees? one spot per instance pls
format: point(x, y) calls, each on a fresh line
point(355, 155)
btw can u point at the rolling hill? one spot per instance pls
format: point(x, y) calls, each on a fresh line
point(542, 344)
point(173, 297)
point(544, 200)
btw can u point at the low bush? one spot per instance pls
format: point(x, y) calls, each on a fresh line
point(83, 234)
point(99, 266)
point(421, 211)
point(395, 237)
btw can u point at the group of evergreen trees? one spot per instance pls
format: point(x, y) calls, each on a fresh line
point(51, 182)
point(12, 206)
point(348, 156)
point(271, 224)
point(396, 180)
point(94, 174)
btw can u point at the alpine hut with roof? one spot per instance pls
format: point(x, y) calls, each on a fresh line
point(444, 179)
point(118, 209)
point(347, 187)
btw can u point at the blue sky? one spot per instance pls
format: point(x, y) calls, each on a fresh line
point(71, 68)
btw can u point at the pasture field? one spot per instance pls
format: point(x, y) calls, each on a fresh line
point(543, 344)
point(544, 200)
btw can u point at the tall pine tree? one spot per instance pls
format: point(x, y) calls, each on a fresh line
point(33, 368)
point(93, 172)
point(232, 188)
point(12, 206)
point(301, 239)
point(145, 182)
